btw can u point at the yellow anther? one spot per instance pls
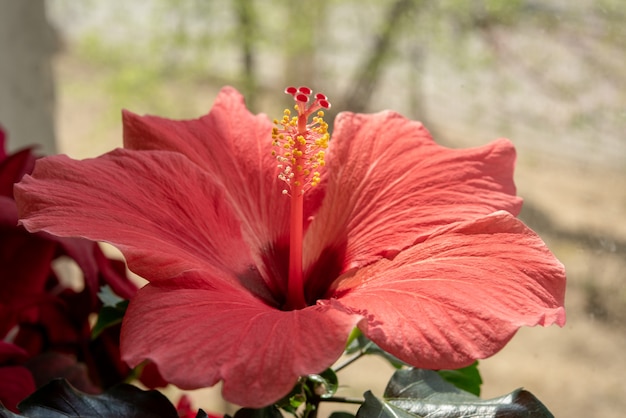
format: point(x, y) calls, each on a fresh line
point(300, 142)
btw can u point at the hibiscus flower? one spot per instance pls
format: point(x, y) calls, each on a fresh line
point(265, 245)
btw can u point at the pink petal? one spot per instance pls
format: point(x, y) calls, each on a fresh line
point(388, 184)
point(460, 295)
point(199, 331)
point(159, 209)
point(235, 147)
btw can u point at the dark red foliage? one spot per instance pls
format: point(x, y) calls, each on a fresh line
point(44, 322)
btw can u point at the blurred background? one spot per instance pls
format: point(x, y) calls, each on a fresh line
point(548, 74)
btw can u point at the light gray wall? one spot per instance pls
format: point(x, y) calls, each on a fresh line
point(27, 44)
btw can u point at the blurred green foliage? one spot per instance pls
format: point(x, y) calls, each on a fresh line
point(367, 55)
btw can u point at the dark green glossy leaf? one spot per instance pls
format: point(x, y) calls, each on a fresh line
point(467, 378)
point(109, 316)
point(341, 414)
point(58, 399)
point(267, 412)
point(376, 408)
point(424, 393)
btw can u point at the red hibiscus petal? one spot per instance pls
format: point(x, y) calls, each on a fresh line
point(388, 184)
point(199, 333)
point(460, 295)
point(235, 147)
point(162, 212)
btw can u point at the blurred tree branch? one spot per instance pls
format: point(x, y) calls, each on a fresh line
point(364, 83)
point(247, 29)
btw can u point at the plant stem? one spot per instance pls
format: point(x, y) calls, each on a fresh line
point(354, 358)
point(341, 399)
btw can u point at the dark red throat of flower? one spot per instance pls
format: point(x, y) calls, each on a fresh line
point(299, 148)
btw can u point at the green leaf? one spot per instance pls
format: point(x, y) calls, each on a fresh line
point(341, 414)
point(59, 399)
point(424, 393)
point(108, 317)
point(467, 378)
point(267, 412)
point(375, 408)
point(323, 385)
point(292, 401)
point(354, 334)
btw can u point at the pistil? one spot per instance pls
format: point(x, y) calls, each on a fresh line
point(300, 154)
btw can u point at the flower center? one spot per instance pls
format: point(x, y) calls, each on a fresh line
point(300, 150)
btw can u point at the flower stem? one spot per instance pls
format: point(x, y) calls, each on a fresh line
point(341, 399)
point(354, 358)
